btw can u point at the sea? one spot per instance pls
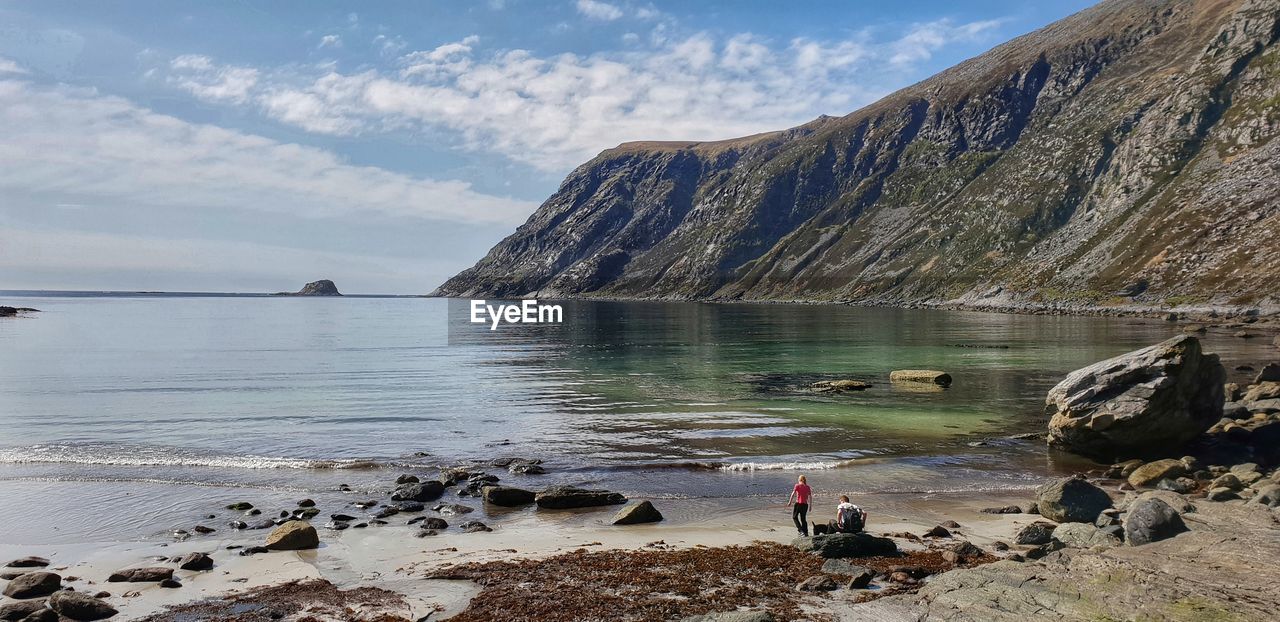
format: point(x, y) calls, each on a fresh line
point(124, 416)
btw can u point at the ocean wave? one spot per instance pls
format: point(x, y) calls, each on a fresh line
point(117, 455)
point(796, 465)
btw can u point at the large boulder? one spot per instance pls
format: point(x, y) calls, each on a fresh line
point(195, 561)
point(293, 536)
point(846, 545)
point(33, 585)
point(1034, 533)
point(418, 491)
point(80, 606)
point(1072, 500)
point(20, 609)
point(566, 497)
point(508, 497)
point(636, 513)
point(1142, 403)
point(1151, 520)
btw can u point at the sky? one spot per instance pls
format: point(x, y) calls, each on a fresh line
point(254, 146)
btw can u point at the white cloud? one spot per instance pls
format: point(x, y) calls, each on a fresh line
point(8, 66)
point(199, 76)
point(595, 9)
point(74, 144)
point(330, 41)
point(554, 112)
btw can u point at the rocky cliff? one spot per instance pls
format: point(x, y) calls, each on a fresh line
point(1123, 155)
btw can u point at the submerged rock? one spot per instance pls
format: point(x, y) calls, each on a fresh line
point(419, 491)
point(508, 497)
point(567, 497)
point(1143, 402)
point(924, 376)
point(636, 513)
point(839, 386)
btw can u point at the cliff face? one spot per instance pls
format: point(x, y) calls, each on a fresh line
point(1122, 155)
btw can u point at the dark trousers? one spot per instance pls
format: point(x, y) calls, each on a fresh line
point(800, 516)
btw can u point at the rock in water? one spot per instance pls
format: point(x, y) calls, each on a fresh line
point(1072, 500)
point(846, 545)
point(419, 491)
point(566, 497)
point(33, 585)
point(79, 606)
point(839, 386)
point(507, 496)
point(636, 513)
point(927, 376)
point(1147, 401)
point(292, 536)
point(323, 287)
point(1151, 520)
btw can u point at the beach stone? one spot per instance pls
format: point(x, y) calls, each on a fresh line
point(1260, 392)
point(390, 511)
point(1179, 503)
point(344, 518)
point(508, 497)
point(336, 525)
point(1008, 509)
point(1182, 485)
point(1151, 520)
point(928, 376)
point(636, 513)
point(1035, 533)
point(950, 524)
point(262, 524)
point(1221, 494)
point(410, 506)
point(171, 583)
point(293, 536)
point(818, 583)
point(526, 467)
point(1268, 495)
point(861, 580)
point(1269, 373)
point(1244, 469)
point(1072, 500)
point(78, 606)
point(150, 574)
point(1082, 536)
point(253, 550)
point(33, 585)
point(842, 567)
point(1228, 481)
point(568, 497)
point(474, 526)
point(306, 513)
point(846, 545)
point(195, 561)
point(1139, 403)
point(732, 616)
point(9, 575)
point(28, 562)
point(432, 522)
point(1152, 472)
point(240, 506)
point(426, 533)
point(20, 610)
point(421, 491)
point(406, 479)
point(938, 532)
point(307, 503)
point(452, 509)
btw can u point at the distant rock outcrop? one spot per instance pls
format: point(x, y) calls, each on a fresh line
point(323, 287)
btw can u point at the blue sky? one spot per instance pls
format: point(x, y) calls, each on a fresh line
point(254, 146)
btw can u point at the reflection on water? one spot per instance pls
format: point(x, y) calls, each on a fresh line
point(676, 400)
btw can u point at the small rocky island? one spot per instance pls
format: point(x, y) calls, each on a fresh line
point(16, 311)
point(323, 287)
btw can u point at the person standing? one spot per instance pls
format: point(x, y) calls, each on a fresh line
point(800, 494)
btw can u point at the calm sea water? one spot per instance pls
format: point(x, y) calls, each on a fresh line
point(145, 408)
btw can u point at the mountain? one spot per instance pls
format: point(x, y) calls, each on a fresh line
point(1123, 155)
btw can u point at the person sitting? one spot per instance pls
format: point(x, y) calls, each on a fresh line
point(849, 517)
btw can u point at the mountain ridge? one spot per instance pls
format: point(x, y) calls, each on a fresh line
point(1122, 155)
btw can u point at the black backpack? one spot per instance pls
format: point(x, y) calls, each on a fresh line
point(854, 521)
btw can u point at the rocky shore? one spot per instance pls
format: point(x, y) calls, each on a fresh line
point(1179, 520)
